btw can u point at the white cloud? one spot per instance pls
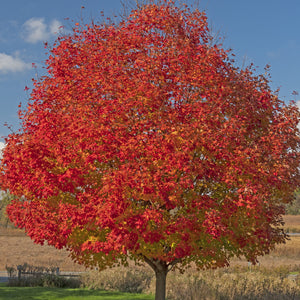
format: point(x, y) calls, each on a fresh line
point(36, 30)
point(2, 145)
point(55, 27)
point(9, 63)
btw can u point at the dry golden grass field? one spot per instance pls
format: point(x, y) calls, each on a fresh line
point(16, 248)
point(292, 223)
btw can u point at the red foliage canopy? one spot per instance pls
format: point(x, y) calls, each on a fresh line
point(145, 141)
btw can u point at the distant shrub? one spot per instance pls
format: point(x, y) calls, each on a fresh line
point(39, 276)
point(294, 207)
point(11, 271)
point(45, 280)
point(130, 280)
point(235, 284)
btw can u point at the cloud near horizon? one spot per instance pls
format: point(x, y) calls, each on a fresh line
point(12, 63)
point(2, 145)
point(36, 30)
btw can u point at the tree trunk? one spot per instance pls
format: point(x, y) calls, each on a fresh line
point(160, 286)
point(160, 268)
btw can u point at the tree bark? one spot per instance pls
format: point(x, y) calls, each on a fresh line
point(161, 270)
point(160, 285)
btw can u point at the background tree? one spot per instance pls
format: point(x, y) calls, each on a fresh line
point(293, 208)
point(145, 142)
point(5, 200)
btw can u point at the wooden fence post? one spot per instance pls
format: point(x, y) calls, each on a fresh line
point(19, 268)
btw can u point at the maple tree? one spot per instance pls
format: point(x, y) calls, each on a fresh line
point(144, 141)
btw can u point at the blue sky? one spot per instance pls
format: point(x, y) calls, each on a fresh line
point(258, 31)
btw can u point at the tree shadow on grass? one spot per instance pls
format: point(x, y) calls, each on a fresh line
point(39, 293)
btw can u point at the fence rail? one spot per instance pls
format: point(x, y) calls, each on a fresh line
point(21, 273)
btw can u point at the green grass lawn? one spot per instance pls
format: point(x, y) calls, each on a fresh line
point(39, 293)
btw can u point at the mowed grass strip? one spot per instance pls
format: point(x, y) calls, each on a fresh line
point(41, 293)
